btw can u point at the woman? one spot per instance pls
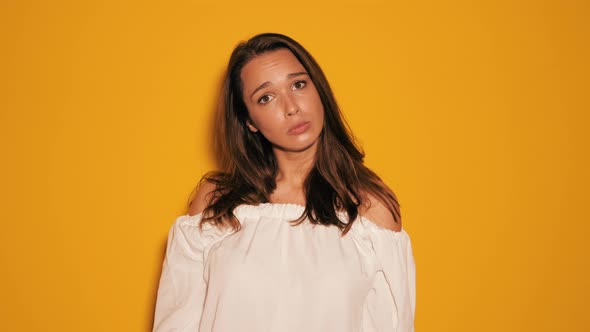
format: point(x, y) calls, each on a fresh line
point(296, 234)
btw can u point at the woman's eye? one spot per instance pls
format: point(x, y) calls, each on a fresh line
point(299, 84)
point(264, 99)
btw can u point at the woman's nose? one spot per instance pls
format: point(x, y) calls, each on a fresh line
point(291, 106)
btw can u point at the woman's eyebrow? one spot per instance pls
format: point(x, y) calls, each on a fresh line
point(267, 83)
point(296, 74)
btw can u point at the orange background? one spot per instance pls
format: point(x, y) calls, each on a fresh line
point(474, 112)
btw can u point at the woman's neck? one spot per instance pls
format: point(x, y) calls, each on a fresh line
point(294, 166)
point(293, 170)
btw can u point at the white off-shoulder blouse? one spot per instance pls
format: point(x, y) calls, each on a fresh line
point(272, 276)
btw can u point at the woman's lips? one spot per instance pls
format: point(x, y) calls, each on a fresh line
point(299, 128)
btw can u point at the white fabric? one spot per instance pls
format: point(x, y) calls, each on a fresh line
point(271, 276)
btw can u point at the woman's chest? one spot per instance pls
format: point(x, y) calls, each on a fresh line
point(303, 260)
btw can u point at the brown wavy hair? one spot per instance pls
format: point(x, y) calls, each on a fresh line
point(338, 180)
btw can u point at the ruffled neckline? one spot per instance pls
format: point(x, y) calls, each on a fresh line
point(287, 210)
point(293, 211)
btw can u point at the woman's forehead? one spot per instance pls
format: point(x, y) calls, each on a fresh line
point(270, 66)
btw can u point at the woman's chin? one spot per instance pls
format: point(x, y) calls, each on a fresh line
point(294, 147)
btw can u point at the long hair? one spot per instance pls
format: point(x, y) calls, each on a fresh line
point(338, 181)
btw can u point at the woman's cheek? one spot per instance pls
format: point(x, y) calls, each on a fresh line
point(299, 93)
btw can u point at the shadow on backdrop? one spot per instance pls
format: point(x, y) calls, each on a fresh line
point(217, 153)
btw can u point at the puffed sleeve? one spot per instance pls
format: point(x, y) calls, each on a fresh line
point(391, 305)
point(182, 288)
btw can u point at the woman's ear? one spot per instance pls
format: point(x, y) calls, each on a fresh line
point(251, 126)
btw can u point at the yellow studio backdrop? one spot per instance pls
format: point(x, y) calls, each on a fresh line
point(474, 112)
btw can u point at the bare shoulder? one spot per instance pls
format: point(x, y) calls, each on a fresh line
point(202, 198)
point(374, 210)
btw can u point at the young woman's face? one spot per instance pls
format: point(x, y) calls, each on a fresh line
point(282, 101)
